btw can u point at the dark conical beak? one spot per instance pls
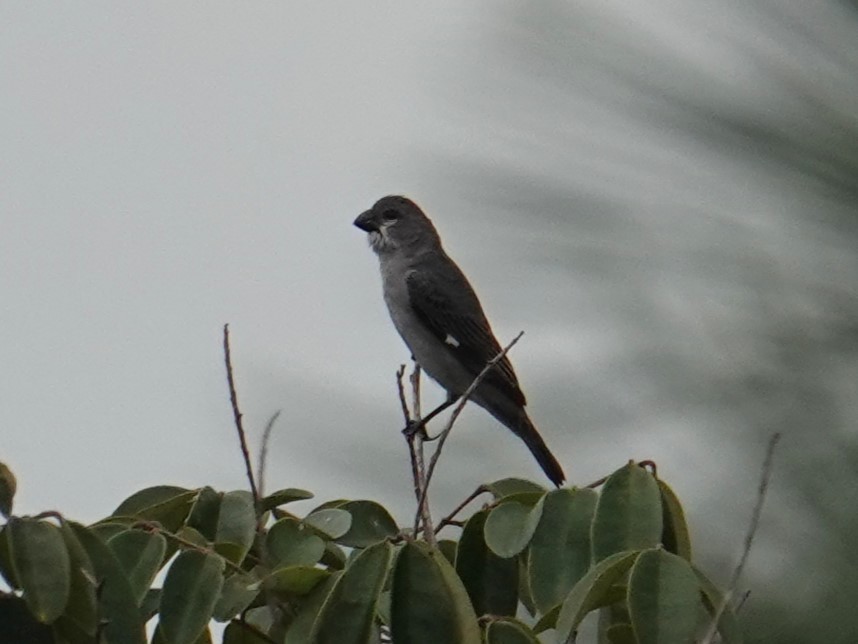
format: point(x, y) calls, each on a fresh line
point(365, 222)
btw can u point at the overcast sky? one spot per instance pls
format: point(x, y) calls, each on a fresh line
point(166, 170)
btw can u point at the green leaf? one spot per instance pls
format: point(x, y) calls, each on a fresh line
point(371, 523)
point(334, 557)
point(348, 615)
point(300, 628)
point(621, 634)
point(141, 555)
point(239, 590)
point(429, 603)
point(614, 594)
point(524, 498)
point(663, 599)
point(290, 543)
point(328, 505)
point(509, 486)
point(190, 591)
point(18, 625)
point(509, 631)
point(628, 514)
point(42, 567)
point(159, 638)
point(192, 535)
point(205, 512)
point(382, 610)
point(559, 552)
point(295, 580)
point(491, 582)
point(728, 625)
point(166, 504)
point(282, 497)
point(122, 620)
point(8, 485)
point(591, 592)
point(82, 607)
point(510, 527)
point(236, 525)
point(65, 631)
point(525, 594)
point(674, 533)
point(6, 568)
point(331, 523)
point(149, 605)
point(105, 530)
point(241, 633)
point(448, 549)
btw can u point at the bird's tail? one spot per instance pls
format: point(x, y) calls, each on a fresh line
point(526, 431)
point(516, 419)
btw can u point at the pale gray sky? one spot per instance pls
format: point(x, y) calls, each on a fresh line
point(644, 187)
point(166, 170)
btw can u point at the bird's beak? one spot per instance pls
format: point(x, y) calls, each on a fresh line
point(365, 222)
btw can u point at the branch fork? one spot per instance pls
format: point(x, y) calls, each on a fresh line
point(416, 435)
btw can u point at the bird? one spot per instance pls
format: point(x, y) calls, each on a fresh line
point(440, 319)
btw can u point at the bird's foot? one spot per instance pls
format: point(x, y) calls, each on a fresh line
point(414, 427)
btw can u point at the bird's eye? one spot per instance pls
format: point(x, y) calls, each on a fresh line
point(390, 216)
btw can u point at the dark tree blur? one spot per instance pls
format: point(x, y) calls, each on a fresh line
point(683, 178)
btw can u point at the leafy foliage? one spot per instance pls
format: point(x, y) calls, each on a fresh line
point(346, 573)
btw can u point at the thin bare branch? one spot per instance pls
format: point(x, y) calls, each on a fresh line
point(450, 518)
point(412, 453)
point(400, 374)
point(765, 477)
point(415, 393)
point(417, 438)
point(596, 483)
point(463, 399)
point(242, 438)
point(154, 526)
point(263, 451)
point(413, 439)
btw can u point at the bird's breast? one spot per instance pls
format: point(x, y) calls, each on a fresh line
point(430, 352)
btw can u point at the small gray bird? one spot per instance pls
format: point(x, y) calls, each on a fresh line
point(440, 318)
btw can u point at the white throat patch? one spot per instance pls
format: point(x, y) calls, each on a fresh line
point(380, 241)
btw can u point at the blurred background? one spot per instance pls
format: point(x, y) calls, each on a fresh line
point(662, 194)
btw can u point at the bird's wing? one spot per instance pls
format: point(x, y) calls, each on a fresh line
point(449, 308)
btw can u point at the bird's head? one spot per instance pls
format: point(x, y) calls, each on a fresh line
point(396, 222)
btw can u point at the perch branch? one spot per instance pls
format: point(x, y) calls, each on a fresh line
point(417, 439)
point(414, 440)
point(463, 399)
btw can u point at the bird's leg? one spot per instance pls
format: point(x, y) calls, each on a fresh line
point(420, 425)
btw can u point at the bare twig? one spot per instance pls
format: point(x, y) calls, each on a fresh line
point(406, 413)
point(450, 518)
point(597, 483)
point(415, 393)
point(463, 399)
point(51, 514)
point(416, 439)
point(741, 602)
point(233, 398)
point(415, 444)
point(400, 374)
point(154, 526)
point(749, 538)
point(263, 451)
